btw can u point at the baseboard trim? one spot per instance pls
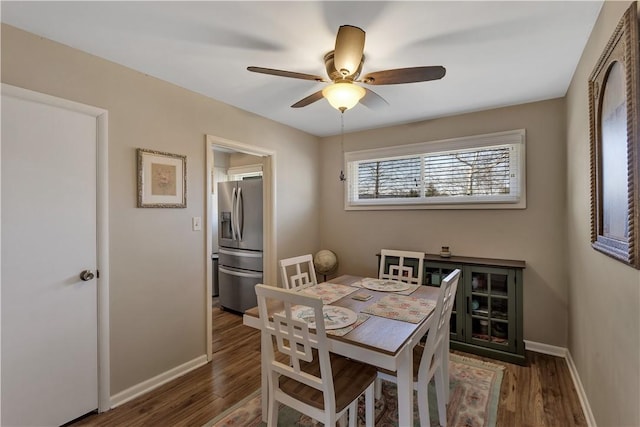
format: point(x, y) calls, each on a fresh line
point(539, 347)
point(582, 395)
point(148, 385)
point(564, 353)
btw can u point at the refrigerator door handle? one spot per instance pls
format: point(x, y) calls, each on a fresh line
point(234, 196)
point(240, 254)
point(239, 273)
point(240, 213)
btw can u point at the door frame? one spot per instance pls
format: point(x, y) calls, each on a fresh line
point(102, 226)
point(268, 220)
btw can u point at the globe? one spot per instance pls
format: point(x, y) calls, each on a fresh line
point(325, 262)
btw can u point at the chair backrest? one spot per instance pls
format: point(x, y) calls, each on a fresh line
point(298, 272)
point(439, 328)
point(293, 338)
point(401, 270)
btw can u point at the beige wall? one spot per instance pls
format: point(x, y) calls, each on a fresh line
point(535, 234)
point(604, 295)
point(221, 159)
point(157, 304)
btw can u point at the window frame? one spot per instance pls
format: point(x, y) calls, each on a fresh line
point(513, 137)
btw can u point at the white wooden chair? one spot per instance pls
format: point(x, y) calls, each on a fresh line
point(401, 271)
point(298, 272)
point(313, 381)
point(432, 359)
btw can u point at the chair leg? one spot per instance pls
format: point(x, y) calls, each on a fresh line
point(378, 387)
point(272, 420)
point(369, 405)
point(445, 365)
point(423, 403)
point(342, 421)
point(353, 413)
point(441, 396)
point(333, 422)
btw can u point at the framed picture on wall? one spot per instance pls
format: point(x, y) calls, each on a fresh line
point(162, 179)
point(613, 119)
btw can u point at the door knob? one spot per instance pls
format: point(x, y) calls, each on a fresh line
point(86, 275)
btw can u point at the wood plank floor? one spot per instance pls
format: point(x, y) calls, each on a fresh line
point(540, 394)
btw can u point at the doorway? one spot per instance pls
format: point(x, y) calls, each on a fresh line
point(268, 157)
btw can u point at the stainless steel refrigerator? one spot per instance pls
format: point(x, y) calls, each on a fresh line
point(240, 240)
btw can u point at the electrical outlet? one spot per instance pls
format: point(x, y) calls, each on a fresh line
point(196, 223)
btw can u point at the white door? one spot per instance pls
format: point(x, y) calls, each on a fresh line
point(49, 315)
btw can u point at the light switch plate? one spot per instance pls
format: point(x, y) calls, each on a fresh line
point(196, 223)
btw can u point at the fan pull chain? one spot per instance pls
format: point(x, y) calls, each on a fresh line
point(342, 177)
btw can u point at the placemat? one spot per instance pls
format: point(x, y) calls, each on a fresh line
point(329, 292)
point(412, 288)
point(344, 331)
point(401, 307)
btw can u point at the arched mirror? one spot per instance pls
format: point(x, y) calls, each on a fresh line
point(613, 92)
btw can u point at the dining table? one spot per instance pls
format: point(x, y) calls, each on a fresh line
point(384, 339)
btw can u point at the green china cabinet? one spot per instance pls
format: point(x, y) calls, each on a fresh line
point(487, 314)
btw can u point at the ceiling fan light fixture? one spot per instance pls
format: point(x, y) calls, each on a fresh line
point(343, 96)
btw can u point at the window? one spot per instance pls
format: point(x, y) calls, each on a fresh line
point(484, 171)
point(237, 173)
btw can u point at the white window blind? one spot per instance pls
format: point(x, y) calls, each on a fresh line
point(484, 171)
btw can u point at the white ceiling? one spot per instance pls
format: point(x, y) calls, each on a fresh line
point(496, 53)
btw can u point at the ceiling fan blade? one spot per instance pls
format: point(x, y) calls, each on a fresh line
point(405, 75)
point(283, 73)
point(373, 100)
point(308, 100)
point(349, 49)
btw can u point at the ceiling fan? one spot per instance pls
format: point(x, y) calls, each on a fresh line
point(344, 65)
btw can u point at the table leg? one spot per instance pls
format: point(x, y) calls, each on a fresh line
point(264, 377)
point(405, 388)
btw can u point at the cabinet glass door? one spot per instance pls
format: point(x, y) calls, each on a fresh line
point(492, 320)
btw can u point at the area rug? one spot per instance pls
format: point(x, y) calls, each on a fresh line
point(475, 391)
